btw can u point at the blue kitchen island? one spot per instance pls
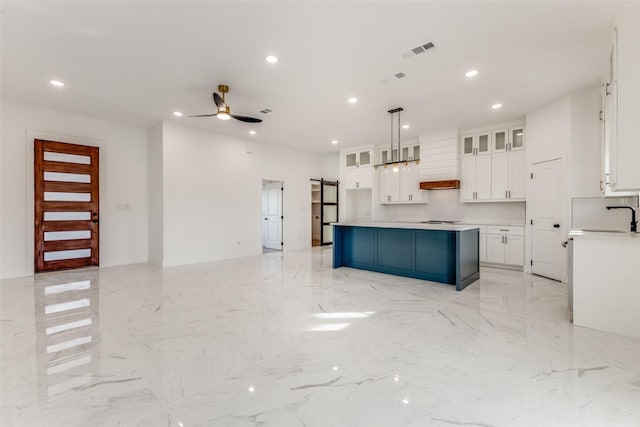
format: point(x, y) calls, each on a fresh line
point(439, 253)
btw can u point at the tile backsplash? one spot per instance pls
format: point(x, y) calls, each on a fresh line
point(591, 212)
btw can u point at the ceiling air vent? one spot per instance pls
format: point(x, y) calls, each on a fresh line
point(400, 75)
point(265, 111)
point(418, 50)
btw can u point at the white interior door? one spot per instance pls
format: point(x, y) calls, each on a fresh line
point(548, 231)
point(272, 211)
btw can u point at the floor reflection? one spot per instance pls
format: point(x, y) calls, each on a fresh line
point(67, 332)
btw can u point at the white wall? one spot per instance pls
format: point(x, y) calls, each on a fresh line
point(549, 131)
point(567, 128)
point(123, 182)
point(156, 205)
point(213, 191)
point(446, 205)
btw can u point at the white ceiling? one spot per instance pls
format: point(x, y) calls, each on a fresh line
point(137, 62)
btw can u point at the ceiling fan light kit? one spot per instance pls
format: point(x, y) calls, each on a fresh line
point(224, 111)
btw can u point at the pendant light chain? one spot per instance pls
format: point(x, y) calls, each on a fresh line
point(399, 136)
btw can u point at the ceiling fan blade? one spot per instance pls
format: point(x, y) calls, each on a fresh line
point(205, 115)
point(218, 100)
point(246, 119)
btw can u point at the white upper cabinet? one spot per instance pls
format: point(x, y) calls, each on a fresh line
point(356, 159)
point(622, 106)
point(493, 165)
point(508, 167)
point(475, 182)
point(500, 140)
point(407, 153)
point(357, 169)
point(516, 138)
point(400, 184)
point(476, 144)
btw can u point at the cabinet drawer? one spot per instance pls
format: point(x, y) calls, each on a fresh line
point(506, 230)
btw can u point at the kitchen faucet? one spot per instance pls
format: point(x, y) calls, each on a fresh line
point(634, 222)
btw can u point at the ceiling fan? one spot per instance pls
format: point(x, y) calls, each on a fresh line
point(224, 112)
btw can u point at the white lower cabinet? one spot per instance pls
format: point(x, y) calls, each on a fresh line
point(505, 245)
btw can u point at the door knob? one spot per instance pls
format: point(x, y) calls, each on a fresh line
point(556, 225)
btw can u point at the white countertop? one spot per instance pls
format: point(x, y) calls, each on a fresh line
point(603, 235)
point(408, 225)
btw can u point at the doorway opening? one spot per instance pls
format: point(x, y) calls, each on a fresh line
point(324, 211)
point(272, 223)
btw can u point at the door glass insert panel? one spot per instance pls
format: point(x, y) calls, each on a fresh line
point(50, 236)
point(483, 143)
point(67, 216)
point(405, 153)
point(365, 158)
point(67, 158)
point(500, 140)
point(517, 138)
point(330, 193)
point(66, 197)
point(351, 160)
point(330, 213)
point(384, 156)
point(468, 145)
point(67, 177)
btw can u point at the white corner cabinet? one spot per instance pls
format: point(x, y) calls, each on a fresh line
point(400, 183)
point(493, 165)
point(357, 168)
point(621, 109)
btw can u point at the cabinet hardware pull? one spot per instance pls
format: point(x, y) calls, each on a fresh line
point(504, 229)
point(506, 242)
point(505, 194)
point(606, 88)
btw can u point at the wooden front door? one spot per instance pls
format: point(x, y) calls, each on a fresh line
point(66, 206)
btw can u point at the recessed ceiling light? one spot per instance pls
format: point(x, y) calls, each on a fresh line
point(271, 59)
point(334, 142)
point(407, 126)
point(177, 113)
point(496, 106)
point(252, 132)
point(56, 83)
point(471, 73)
point(353, 100)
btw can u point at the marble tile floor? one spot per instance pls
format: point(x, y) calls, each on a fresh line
point(282, 339)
